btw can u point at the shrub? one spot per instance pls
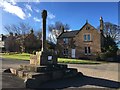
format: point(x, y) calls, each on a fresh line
point(34, 52)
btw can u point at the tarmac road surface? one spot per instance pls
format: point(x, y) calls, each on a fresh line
point(95, 76)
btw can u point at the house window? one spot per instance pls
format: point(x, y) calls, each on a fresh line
point(87, 50)
point(87, 37)
point(87, 28)
point(65, 52)
point(65, 40)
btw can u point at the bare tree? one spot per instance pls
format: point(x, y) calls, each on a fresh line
point(112, 30)
point(55, 30)
point(20, 28)
point(38, 34)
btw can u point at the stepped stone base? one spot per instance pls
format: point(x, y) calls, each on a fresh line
point(36, 75)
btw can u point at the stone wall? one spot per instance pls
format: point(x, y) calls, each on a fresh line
point(79, 44)
point(94, 43)
point(61, 46)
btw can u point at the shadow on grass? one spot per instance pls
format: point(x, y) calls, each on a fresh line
point(79, 81)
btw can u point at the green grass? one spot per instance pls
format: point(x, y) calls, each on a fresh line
point(77, 61)
point(26, 56)
point(22, 56)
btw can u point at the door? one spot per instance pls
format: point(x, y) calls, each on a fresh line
point(73, 53)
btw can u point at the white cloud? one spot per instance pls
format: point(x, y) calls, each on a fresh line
point(13, 9)
point(29, 15)
point(37, 10)
point(37, 1)
point(51, 16)
point(13, 2)
point(28, 7)
point(36, 19)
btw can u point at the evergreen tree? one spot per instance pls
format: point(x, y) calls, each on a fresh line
point(110, 47)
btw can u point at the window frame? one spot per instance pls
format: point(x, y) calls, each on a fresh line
point(65, 40)
point(65, 51)
point(87, 37)
point(87, 50)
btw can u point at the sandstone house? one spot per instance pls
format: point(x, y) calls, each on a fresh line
point(84, 43)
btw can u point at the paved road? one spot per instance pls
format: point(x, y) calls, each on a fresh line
point(107, 70)
point(95, 76)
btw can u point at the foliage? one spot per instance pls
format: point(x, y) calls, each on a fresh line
point(112, 30)
point(11, 44)
point(23, 43)
point(31, 42)
point(20, 28)
point(110, 48)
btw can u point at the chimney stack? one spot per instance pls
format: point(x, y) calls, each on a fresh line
point(62, 28)
point(101, 25)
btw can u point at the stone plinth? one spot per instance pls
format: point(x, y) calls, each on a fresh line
point(33, 60)
point(36, 75)
point(43, 58)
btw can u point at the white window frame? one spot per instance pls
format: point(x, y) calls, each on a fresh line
point(87, 48)
point(87, 37)
point(65, 40)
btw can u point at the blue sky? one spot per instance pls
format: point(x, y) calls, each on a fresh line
point(72, 13)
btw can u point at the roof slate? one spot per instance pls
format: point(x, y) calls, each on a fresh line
point(68, 34)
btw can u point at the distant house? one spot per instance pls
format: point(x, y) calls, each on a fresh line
point(86, 42)
point(20, 43)
point(2, 42)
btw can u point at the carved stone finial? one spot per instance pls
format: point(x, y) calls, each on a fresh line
point(101, 24)
point(101, 18)
point(44, 14)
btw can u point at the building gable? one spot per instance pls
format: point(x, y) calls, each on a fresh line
point(88, 27)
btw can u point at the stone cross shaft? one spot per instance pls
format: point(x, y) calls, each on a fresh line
point(44, 16)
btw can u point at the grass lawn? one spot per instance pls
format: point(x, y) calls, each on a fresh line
point(23, 56)
point(77, 61)
point(26, 56)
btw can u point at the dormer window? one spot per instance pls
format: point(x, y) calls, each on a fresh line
point(65, 40)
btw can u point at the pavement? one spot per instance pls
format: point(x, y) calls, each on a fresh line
point(94, 76)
